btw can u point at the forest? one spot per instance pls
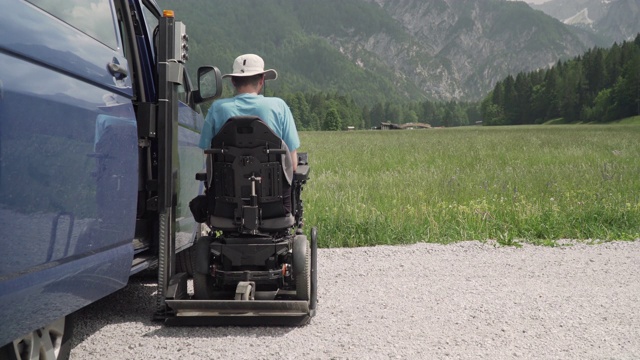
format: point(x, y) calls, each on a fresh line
point(600, 86)
point(326, 111)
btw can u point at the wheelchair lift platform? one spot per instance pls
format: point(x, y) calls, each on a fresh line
point(180, 309)
point(240, 312)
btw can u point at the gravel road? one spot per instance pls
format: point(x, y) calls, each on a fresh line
point(425, 301)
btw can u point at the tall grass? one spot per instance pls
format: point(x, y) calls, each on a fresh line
point(526, 183)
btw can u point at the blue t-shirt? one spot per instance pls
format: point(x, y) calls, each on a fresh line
point(272, 110)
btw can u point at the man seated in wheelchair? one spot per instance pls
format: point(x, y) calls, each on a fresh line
point(250, 185)
point(253, 180)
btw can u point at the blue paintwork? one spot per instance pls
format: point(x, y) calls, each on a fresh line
point(69, 167)
point(68, 180)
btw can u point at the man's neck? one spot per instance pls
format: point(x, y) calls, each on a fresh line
point(252, 90)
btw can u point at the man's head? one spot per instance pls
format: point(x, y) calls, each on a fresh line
point(250, 65)
point(255, 81)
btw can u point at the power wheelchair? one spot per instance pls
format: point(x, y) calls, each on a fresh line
point(256, 251)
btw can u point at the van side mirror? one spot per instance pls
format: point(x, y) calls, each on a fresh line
point(209, 84)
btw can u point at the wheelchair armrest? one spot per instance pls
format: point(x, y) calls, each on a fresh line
point(214, 151)
point(303, 158)
point(301, 173)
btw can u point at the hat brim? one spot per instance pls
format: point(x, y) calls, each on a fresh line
point(268, 74)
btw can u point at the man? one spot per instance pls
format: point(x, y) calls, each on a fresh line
point(248, 79)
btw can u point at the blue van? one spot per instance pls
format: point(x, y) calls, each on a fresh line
point(81, 160)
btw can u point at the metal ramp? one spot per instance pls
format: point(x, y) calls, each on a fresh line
point(239, 312)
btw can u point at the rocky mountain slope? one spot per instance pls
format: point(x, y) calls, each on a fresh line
point(614, 20)
point(388, 49)
point(466, 44)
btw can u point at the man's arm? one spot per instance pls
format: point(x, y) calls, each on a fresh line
point(294, 158)
point(289, 133)
point(207, 130)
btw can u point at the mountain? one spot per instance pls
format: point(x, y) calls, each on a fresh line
point(581, 18)
point(622, 21)
point(566, 9)
point(293, 36)
point(613, 20)
point(376, 50)
point(473, 43)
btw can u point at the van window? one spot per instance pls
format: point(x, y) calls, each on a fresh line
point(92, 17)
point(151, 21)
point(182, 93)
point(184, 90)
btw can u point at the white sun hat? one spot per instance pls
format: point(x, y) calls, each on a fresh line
point(249, 65)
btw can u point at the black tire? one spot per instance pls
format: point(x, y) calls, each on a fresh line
point(184, 263)
point(60, 334)
point(313, 301)
point(203, 284)
point(302, 267)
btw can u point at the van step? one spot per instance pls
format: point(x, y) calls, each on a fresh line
point(140, 245)
point(143, 262)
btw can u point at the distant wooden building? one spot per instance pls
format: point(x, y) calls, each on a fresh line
point(392, 126)
point(388, 126)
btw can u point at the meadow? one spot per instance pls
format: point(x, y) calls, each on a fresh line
point(514, 184)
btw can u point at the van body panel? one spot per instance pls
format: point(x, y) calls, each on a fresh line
point(58, 288)
point(75, 179)
point(68, 170)
point(57, 45)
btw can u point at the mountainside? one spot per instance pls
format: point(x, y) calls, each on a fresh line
point(380, 49)
point(474, 43)
point(581, 18)
point(614, 20)
point(622, 21)
point(565, 9)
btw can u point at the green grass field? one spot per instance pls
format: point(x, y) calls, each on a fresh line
point(511, 184)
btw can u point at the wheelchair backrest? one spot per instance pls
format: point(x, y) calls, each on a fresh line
point(245, 175)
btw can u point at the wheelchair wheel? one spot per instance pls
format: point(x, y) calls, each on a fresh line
point(202, 280)
point(313, 301)
point(302, 267)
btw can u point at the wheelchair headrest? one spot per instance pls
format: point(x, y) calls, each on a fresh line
point(246, 132)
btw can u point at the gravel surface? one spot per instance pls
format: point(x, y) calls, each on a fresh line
point(425, 301)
